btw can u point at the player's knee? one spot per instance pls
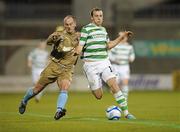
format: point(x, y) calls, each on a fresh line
point(64, 88)
point(98, 93)
point(64, 84)
point(98, 97)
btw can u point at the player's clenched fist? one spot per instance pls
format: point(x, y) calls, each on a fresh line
point(126, 34)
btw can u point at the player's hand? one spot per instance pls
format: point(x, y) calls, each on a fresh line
point(58, 40)
point(75, 54)
point(57, 36)
point(129, 34)
point(126, 33)
point(78, 34)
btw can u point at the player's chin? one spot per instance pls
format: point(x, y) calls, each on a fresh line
point(99, 23)
point(70, 31)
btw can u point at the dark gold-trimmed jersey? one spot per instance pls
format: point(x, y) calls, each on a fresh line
point(63, 47)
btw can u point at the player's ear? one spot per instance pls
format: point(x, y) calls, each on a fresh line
point(91, 18)
point(74, 23)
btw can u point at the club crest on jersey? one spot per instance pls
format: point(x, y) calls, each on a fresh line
point(66, 49)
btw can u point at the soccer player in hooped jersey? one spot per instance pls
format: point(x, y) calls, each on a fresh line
point(120, 57)
point(93, 45)
point(60, 68)
point(37, 61)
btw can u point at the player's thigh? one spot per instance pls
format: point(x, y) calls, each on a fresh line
point(49, 74)
point(108, 73)
point(64, 79)
point(93, 77)
point(109, 77)
point(124, 72)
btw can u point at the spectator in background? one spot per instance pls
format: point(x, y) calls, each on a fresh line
point(59, 28)
point(120, 57)
point(37, 61)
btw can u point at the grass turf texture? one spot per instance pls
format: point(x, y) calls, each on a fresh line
point(155, 112)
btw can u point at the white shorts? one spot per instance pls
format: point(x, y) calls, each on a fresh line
point(122, 71)
point(36, 74)
point(97, 72)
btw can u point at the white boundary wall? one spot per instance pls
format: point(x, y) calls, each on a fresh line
point(151, 82)
point(79, 83)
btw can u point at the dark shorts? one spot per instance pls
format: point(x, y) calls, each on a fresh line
point(55, 71)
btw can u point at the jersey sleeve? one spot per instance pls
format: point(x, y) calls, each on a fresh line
point(30, 55)
point(107, 38)
point(53, 38)
point(111, 56)
point(132, 54)
point(83, 37)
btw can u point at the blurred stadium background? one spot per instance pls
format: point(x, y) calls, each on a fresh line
point(156, 24)
point(155, 72)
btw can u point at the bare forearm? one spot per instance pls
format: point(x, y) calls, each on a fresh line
point(78, 50)
point(29, 63)
point(115, 42)
point(121, 36)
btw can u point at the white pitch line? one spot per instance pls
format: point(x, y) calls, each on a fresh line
point(76, 118)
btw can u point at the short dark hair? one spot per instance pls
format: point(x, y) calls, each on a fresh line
point(94, 9)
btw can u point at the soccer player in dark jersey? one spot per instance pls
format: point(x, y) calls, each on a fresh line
point(60, 69)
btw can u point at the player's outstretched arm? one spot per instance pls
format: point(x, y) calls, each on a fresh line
point(121, 36)
point(54, 38)
point(29, 63)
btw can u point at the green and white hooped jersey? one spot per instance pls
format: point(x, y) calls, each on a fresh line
point(39, 58)
point(122, 53)
point(94, 39)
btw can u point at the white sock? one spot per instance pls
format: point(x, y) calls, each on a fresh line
point(125, 91)
point(120, 99)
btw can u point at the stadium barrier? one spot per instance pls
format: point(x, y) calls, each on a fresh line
point(80, 83)
point(151, 82)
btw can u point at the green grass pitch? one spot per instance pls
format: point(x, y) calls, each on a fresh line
point(155, 111)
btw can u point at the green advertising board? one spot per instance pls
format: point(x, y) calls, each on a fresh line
point(157, 48)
